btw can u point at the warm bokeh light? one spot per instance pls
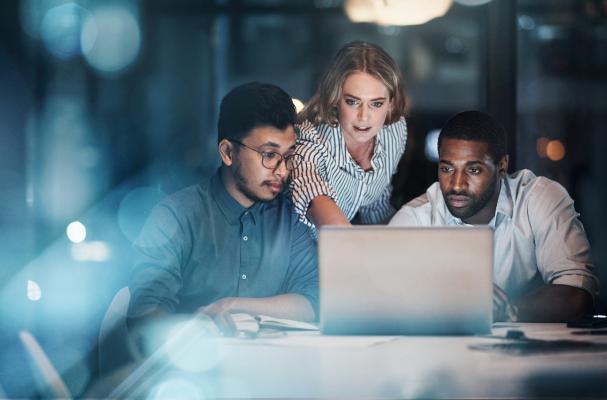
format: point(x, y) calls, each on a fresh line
point(540, 146)
point(76, 232)
point(555, 150)
point(395, 12)
point(299, 105)
point(34, 293)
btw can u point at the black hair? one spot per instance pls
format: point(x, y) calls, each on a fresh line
point(477, 126)
point(252, 105)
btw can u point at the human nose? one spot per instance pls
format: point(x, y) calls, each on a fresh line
point(458, 181)
point(363, 113)
point(281, 168)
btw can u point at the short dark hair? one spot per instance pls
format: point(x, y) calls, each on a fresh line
point(251, 105)
point(477, 126)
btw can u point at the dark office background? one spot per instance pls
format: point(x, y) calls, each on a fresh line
point(99, 120)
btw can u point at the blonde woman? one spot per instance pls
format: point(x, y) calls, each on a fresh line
point(352, 134)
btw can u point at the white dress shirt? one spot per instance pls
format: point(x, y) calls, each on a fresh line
point(538, 238)
point(329, 169)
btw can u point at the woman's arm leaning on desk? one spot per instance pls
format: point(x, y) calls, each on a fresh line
point(324, 211)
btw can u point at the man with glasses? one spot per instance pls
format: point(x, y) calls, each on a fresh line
point(232, 243)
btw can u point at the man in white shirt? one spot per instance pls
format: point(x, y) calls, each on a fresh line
point(543, 270)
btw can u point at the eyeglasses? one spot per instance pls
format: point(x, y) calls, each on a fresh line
point(271, 159)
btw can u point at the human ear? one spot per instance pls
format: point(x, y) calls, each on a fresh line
point(502, 165)
point(226, 151)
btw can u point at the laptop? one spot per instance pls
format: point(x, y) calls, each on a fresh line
point(406, 281)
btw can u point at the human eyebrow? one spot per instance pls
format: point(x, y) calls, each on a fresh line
point(445, 162)
point(270, 144)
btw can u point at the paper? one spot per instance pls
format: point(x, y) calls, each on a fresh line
point(252, 324)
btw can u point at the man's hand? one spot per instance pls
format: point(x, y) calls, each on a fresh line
point(219, 312)
point(503, 309)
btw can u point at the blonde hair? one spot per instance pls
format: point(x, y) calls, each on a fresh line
point(355, 57)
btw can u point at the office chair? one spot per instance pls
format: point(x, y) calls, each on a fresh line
point(48, 381)
point(116, 348)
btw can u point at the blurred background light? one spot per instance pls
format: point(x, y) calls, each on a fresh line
point(526, 22)
point(555, 150)
point(395, 12)
point(540, 146)
point(96, 251)
point(34, 293)
point(299, 105)
point(431, 146)
point(111, 38)
point(61, 29)
point(76, 232)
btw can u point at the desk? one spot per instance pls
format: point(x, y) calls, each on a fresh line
point(308, 365)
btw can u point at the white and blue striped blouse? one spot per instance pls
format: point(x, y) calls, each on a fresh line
point(329, 169)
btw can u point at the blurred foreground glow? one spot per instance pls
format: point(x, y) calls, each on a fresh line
point(555, 150)
point(34, 293)
point(176, 388)
point(135, 208)
point(76, 232)
point(299, 105)
point(431, 146)
point(395, 12)
point(110, 39)
point(193, 345)
point(60, 29)
point(96, 251)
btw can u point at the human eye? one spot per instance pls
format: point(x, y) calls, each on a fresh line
point(444, 169)
point(474, 170)
point(351, 102)
point(270, 155)
point(377, 104)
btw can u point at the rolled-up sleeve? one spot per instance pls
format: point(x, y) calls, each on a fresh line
point(562, 248)
point(308, 180)
point(302, 277)
point(156, 277)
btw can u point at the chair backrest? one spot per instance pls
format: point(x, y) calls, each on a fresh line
point(48, 380)
point(115, 345)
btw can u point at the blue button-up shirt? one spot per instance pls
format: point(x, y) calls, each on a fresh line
point(199, 245)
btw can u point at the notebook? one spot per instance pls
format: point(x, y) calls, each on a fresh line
point(395, 280)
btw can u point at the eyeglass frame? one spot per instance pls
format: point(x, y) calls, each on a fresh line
point(294, 156)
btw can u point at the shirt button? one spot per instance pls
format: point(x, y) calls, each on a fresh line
point(245, 238)
point(244, 276)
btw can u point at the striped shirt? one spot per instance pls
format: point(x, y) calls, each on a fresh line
point(328, 169)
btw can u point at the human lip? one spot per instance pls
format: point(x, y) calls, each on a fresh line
point(458, 201)
point(275, 187)
point(362, 129)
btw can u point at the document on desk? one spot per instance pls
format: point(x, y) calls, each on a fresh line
point(253, 323)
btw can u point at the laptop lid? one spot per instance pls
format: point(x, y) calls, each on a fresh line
point(396, 280)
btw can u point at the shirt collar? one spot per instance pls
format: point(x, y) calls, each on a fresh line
point(503, 208)
point(229, 207)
